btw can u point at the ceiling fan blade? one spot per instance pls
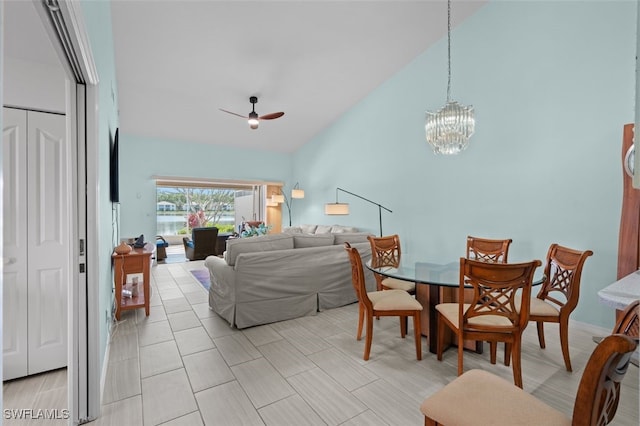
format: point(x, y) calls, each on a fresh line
point(271, 116)
point(233, 113)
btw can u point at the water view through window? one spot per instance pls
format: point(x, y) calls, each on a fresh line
point(180, 209)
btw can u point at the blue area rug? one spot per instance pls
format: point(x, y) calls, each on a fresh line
point(202, 275)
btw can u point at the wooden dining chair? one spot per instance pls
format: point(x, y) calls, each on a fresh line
point(629, 323)
point(386, 251)
point(382, 303)
point(559, 294)
point(490, 399)
point(488, 250)
point(493, 314)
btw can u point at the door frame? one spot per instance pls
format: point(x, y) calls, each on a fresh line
point(74, 50)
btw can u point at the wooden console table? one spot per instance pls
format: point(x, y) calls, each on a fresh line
point(136, 262)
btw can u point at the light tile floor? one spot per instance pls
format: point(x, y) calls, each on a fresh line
point(183, 365)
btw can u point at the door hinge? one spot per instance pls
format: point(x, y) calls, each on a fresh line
point(82, 268)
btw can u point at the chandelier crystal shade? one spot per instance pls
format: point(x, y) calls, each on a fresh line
point(448, 130)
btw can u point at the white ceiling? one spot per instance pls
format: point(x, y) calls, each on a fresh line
point(178, 62)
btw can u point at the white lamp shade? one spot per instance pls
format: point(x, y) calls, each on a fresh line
point(336, 208)
point(277, 198)
point(271, 203)
point(297, 193)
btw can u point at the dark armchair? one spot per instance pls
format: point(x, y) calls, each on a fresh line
point(201, 244)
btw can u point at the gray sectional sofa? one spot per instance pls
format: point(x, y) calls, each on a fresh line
point(283, 276)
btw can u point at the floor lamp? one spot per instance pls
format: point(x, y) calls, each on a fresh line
point(343, 208)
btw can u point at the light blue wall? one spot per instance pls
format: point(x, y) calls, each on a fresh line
point(141, 158)
point(552, 84)
point(97, 15)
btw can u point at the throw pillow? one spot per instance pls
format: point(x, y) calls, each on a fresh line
point(337, 229)
point(323, 229)
point(351, 237)
point(254, 244)
point(308, 229)
point(315, 240)
point(292, 230)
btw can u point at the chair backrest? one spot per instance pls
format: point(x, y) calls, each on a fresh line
point(357, 276)
point(562, 276)
point(204, 240)
point(628, 323)
point(599, 390)
point(497, 288)
point(385, 251)
point(488, 250)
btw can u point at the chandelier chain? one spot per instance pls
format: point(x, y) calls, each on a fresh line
point(449, 50)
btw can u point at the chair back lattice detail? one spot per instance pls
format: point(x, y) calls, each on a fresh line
point(599, 390)
point(488, 250)
point(495, 287)
point(385, 251)
point(563, 271)
point(629, 323)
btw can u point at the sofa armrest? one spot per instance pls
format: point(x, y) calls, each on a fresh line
point(222, 291)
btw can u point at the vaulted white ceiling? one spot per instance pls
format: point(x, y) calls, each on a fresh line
point(178, 62)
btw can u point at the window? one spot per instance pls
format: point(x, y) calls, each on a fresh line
point(182, 205)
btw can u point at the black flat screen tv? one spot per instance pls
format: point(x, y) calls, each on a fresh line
point(114, 176)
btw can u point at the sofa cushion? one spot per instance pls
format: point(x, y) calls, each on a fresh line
point(254, 244)
point(351, 237)
point(312, 240)
point(323, 229)
point(292, 230)
point(338, 229)
point(308, 229)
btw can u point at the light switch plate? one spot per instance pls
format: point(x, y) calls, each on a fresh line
point(140, 278)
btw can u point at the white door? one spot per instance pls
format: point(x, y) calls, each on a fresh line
point(41, 214)
point(48, 236)
point(14, 317)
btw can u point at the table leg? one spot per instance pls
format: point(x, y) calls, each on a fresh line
point(429, 296)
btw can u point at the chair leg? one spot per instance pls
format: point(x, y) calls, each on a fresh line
point(540, 326)
point(369, 339)
point(507, 354)
point(429, 422)
point(493, 349)
point(460, 352)
point(403, 326)
point(418, 335)
point(564, 342)
point(439, 338)
point(360, 321)
point(517, 367)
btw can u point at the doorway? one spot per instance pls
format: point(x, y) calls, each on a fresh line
point(44, 31)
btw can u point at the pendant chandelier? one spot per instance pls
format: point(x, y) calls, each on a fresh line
point(449, 129)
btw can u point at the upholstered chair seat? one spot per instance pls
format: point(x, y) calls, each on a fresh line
point(396, 284)
point(478, 397)
point(481, 393)
point(390, 300)
point(541, 308)
point(450, 312)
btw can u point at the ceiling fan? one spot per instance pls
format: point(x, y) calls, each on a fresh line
point(254, 118)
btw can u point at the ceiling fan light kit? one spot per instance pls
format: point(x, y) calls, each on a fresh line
point(253, 119)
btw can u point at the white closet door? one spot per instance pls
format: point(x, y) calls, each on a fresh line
point(48, 236)
point(15, 309)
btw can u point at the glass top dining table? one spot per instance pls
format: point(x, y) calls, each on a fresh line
point(436, 283)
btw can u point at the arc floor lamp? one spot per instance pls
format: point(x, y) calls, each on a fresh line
point(343, 208)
